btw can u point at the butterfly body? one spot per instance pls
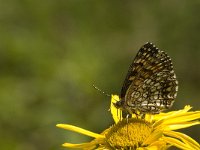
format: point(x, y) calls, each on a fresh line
point(150, 85)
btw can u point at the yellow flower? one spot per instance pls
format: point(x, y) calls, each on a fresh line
point(154, 132)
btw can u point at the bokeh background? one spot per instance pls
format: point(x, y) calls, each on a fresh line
point(53, 51)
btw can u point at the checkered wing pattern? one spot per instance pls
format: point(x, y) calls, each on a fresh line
point(150, 85)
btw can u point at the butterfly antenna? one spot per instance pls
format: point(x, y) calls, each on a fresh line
point(101, 91)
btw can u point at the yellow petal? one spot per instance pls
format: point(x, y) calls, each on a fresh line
point(79, 130)
point(82, 145)
point(178, 118)
point(177, 143)
point(116, 113)
point(154, 137)
point(189, 116)
point(181, 126)
point(183, 137)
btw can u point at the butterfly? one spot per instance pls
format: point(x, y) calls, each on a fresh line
point(150, 85)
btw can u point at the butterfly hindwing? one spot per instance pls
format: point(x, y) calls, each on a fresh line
point(150, 85)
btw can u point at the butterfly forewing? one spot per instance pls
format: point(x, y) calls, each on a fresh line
point(150, 85)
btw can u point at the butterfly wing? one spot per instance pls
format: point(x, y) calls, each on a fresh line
point(150, 85)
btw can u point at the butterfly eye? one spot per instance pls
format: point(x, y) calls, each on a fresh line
point(118, 104)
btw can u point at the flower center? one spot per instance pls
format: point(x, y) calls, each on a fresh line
point(128, 134)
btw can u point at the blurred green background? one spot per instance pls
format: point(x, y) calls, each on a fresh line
point(52, 51)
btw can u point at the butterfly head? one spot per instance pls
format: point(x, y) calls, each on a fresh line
point(119, 104)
